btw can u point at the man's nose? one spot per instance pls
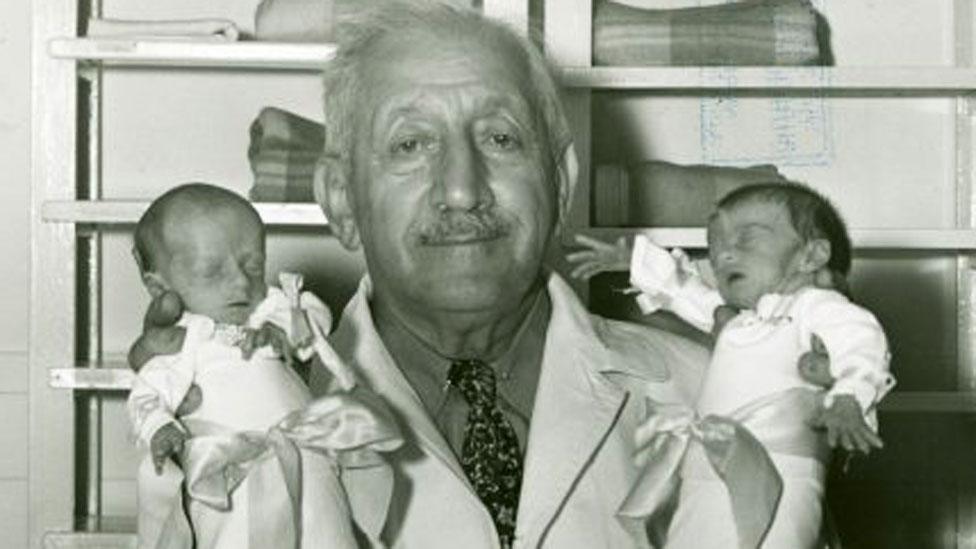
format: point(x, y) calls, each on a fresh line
point(463, 182)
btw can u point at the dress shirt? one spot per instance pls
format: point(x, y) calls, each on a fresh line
point(516, 372)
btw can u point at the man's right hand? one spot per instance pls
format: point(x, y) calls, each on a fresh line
point(160, 334)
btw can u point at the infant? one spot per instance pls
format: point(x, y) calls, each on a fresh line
point(774, 250)
point(261, 460)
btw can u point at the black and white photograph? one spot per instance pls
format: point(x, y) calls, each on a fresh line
point(488, 274)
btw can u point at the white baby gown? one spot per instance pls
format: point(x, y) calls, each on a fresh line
point(753, 379)
point(249, 428)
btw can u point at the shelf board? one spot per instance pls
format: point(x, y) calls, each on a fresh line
point(893, 80)
point(183, 53)
point(304, 56)
point(90, 540)
point(127, 212)
point(108, 376)
point(865, 239)
point(116, 376)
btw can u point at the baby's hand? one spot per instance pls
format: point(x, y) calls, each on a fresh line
point(166, 441)
point(267, 334)
point(598, 257)
point(845, 426)
point(815, 364)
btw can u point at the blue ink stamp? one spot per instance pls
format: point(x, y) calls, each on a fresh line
point(787, 130)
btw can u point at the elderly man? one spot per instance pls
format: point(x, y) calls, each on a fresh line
point(449, 161)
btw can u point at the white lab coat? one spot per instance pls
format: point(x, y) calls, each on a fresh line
point(595, 380)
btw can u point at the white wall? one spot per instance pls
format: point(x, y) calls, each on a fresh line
point(14, 251)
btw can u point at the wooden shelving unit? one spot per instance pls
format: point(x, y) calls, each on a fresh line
point(59, 212)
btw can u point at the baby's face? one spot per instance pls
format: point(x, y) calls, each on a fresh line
point(216, 264)
point(753, 250)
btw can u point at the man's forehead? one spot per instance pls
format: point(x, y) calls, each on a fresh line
point(445, 61)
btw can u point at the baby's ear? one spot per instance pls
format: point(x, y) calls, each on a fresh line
point(816, 255)
point(155, 284)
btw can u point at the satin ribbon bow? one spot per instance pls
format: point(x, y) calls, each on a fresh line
point(349, 430)
point(737, 456)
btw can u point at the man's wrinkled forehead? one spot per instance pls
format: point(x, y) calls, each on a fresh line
point(403, 69)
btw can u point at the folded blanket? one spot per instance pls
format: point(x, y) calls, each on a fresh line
point(662, 194)
point(283, 150)
point(313, 20)
point(749, 32)
point(186, 29)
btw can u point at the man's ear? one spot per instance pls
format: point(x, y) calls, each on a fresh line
point(816, 254)
point(331, 190)
point(567, 172)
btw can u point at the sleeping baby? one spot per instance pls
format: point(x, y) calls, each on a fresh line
point(262, 462)
point(751, 467)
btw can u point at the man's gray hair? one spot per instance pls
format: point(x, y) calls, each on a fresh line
point(360, 32)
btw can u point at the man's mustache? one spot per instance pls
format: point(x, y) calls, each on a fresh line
point(453, 227)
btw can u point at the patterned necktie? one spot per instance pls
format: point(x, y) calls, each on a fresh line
point(490, 454)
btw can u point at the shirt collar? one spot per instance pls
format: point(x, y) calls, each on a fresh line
point(517, 369)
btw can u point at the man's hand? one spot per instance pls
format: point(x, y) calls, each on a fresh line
point(166, 442)
point(191, 401)
point(722, 315)
point(160, 335)
point(845, 426)
point(598, 257)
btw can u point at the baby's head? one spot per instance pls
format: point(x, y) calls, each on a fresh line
point(776, 237)
point(206, 244)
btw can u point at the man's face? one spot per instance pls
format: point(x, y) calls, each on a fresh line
point(216, 264)
point(451, 193)
point(754, 250)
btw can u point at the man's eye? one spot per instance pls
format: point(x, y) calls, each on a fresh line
point(408, 146)
point(503, 141)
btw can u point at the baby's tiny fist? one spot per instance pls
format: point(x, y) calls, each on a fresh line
point(815, 368)
point(166, 441)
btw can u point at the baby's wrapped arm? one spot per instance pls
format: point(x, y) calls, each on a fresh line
point(306, 321)
point(673, 282)
point(156, 393)
point(857, 347)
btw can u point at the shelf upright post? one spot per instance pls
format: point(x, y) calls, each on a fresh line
point(52, 281)
point(88, 496)
point(569, 43)
point(964, 31)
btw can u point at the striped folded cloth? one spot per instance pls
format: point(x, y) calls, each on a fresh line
point(748, 32)
point(283, 150)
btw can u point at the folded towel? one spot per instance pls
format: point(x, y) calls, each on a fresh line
point(283, 151)
point(314, 20)
point(187, 29)
point(295, 20)
point(749, 32)
point(662, 194)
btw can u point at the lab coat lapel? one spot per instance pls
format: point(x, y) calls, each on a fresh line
point(574, 410)
point(358, 340)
